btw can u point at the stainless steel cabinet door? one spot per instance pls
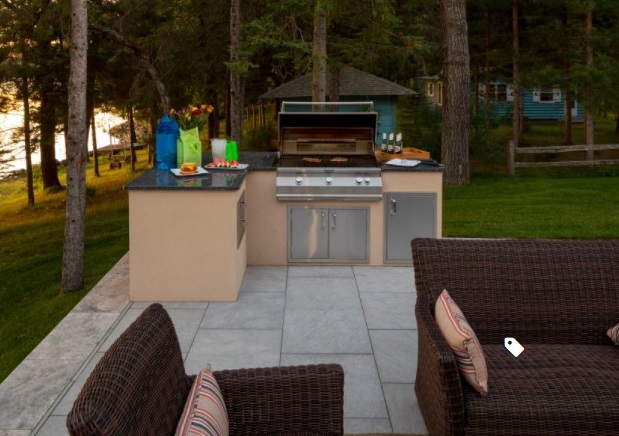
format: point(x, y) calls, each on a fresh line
point(408, 215)
point(348, 234)
point(308, 233)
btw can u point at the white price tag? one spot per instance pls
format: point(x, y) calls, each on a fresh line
point(513, 346)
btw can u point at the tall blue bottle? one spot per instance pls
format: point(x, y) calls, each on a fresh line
point(165, 140)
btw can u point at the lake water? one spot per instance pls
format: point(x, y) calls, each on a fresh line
point(17, 153)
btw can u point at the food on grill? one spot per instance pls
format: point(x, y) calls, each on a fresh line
point(312, 159)
point(339, 159)
point(221, 163)
point(189, 167)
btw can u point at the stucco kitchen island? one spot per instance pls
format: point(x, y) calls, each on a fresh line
point(191, 238)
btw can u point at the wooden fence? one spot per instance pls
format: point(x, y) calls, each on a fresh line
point(588, 159)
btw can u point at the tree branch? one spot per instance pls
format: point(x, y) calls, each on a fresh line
point(142, 61)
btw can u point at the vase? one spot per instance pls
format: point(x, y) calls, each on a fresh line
point(189, 147)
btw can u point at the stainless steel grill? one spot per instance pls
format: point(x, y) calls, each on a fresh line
point(327, 156)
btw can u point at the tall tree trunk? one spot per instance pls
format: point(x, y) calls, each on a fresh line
point(455, 128)
point(319, 54)
point(132, 136)
point(236, 82)
point(47, 121)
point(334, 85)
point(75, 217)
point(589, 123)
point(516, 75)
point(567, 82)
point(95, 152)
point(27, 138)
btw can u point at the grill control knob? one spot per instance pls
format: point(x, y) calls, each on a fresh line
point(367, 180)
point(359, 180)
point(329, 180)
point(298, 180)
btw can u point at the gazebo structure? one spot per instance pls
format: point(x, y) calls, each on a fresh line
point(354, 85)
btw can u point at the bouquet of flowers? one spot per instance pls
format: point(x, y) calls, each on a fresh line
point(190, 121)
point(189, 117)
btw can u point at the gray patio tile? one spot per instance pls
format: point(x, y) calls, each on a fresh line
point(126, 319)
point(54, 426)
point(396, 354)
point(363, 396)
point(404, 409)
point(320, 271)
point(264, 279)
point(252, 310)
point(392, 310)
point(33, 387)
point(231, 349)
point(75, 337)
point(15, 432)
point(384, 278)
point(366, 426)
point(321, 293)
point(111, 293)
point(186, 323)
point(337, 330)
point(64, 405)
point(171, 304)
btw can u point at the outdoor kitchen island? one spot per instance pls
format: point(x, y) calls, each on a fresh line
point(191, 238)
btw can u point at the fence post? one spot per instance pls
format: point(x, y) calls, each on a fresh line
point(511, 158)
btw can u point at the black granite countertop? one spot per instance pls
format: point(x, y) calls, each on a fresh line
point(218, 179)
point(227, 179)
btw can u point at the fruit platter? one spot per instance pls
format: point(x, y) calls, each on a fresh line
point(221, 164)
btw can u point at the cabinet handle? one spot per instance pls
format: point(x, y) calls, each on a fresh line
point(334, 215)
point(322, 221)
point(394, 206)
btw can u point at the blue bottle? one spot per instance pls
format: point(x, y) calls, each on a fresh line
point(165, 140)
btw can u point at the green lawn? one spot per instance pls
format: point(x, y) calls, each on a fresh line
point(31, 241)
point(533, 208)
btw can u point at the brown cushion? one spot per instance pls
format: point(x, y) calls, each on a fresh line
point(547, 390)
point(613, 333)
point(463, 342)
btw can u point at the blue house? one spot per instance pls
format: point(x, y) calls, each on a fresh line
point(354, 86)
point(543, 104)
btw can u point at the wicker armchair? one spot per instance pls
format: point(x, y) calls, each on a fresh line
point(140, 387)
point(557, 298)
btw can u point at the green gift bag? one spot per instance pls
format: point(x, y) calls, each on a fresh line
point(189, 147)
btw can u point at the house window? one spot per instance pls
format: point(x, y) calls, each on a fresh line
point(440, 93)
point(430, 89)
point(546, 95)
point(497, 92)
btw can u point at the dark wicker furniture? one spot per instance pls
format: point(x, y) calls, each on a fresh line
point(139, 388)
point(557, 298)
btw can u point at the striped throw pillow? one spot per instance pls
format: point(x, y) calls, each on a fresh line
point(205, 412)
point(613, 333)
point(463, 342)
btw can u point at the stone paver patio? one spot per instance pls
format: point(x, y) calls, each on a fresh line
point(361, 317)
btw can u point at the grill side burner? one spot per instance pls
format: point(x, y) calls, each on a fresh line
point(328, 156)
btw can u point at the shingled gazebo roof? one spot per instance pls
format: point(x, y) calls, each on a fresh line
point(352, 82)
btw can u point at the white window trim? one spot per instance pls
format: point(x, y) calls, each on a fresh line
point(556, 96)
point(430, 89)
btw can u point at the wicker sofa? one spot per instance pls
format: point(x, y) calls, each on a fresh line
point(140, 387)
point(557, 298)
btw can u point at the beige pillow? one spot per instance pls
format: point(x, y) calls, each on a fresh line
point(205, 411)
point(613, 333)
point(463, 342)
